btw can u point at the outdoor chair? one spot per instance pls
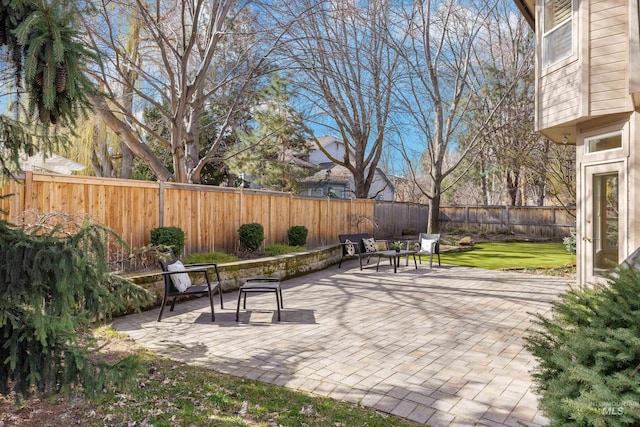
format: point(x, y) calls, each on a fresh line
point(357, 245)
point(260, 284)
point(428, 244)
point(178, 283)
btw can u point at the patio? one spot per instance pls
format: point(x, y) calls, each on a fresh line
point(441, 346)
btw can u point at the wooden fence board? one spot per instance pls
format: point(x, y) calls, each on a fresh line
point(392, 217)
point(211, 216)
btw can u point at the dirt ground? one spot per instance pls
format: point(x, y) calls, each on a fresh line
point(42, 411)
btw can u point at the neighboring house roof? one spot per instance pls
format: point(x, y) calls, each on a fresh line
point(528, 9)
point(338, 175)
point(52, 163)
point(291, 157)
point(324, 141)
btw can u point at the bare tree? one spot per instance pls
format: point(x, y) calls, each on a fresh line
point(514, 164)
point(173, 57)
point(508, 78)
point(439, 90)
point(344, 69)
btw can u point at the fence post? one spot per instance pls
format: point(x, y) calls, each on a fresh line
point(328, 219)
point(161, 204)
point(27, 197)
point(289, 212)
point(239, 218)
point(506, 208)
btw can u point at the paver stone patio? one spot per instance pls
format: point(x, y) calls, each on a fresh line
point(442, 346)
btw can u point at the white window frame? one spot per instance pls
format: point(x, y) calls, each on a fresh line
point(546, 35)
point(614, 154)
point(588, 140)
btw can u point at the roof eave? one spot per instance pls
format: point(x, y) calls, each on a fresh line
point(527, 8)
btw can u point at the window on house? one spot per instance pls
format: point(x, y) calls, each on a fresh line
point(609, 141)
point(557, 39)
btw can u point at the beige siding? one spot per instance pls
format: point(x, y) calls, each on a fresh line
point(558, 96)
point(608, 38)
point(607, 6)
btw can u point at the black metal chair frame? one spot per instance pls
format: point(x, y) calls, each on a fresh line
point(358, 245)
point(260, 284)
point(207, 288)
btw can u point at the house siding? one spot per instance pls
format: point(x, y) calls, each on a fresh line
point(558, 96)
point(608, 56)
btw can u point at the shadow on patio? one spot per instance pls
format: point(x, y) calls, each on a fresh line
point(442, 346)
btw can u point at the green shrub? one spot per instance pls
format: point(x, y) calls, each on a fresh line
point(458, 230)
point(570, 242)
point(51, 288)
point(172, 237)
point(210, 257)
point(274, 249)
point(251, 236)
point(298, 235)
point(588, 351)
point(409, 231)
point(505, 231)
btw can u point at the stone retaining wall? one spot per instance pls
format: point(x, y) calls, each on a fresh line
point(232, 274)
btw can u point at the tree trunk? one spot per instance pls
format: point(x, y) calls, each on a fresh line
point(192, 141)
point(100, 158)
point(512, 186)
point(124, 131)
point(433, 222)
point(361, 185)
point(126, 168)
point(483, 180)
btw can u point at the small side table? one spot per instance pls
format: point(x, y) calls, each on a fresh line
point(395, 258)
point(260, 284)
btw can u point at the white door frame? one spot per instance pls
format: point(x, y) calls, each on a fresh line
point(589, 224)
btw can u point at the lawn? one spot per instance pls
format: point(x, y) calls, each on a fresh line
point(510, 255)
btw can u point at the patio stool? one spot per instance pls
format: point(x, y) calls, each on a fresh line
point(260, 284)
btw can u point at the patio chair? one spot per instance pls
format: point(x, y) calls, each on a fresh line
point(359, 245)
point(260, 284)
point(428, 244)
point(178, 283)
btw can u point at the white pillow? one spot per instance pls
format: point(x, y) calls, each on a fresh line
point(426, 245)
point(180, 281)
point(351, 249)
point(369, 245)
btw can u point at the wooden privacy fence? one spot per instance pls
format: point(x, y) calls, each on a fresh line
point(544, 221)
point(210, 216)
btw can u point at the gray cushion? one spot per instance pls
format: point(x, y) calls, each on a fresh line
point(181, 281)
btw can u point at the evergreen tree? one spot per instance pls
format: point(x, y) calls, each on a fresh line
point(268, 155)
point(47, 60)
point(52, 285)
point(589, 355)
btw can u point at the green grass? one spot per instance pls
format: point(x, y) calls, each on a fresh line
point(274, 249)
point(168, 393)
point(495, 256)
point(211, 257)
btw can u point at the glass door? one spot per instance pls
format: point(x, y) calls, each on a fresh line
point(604, 214)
